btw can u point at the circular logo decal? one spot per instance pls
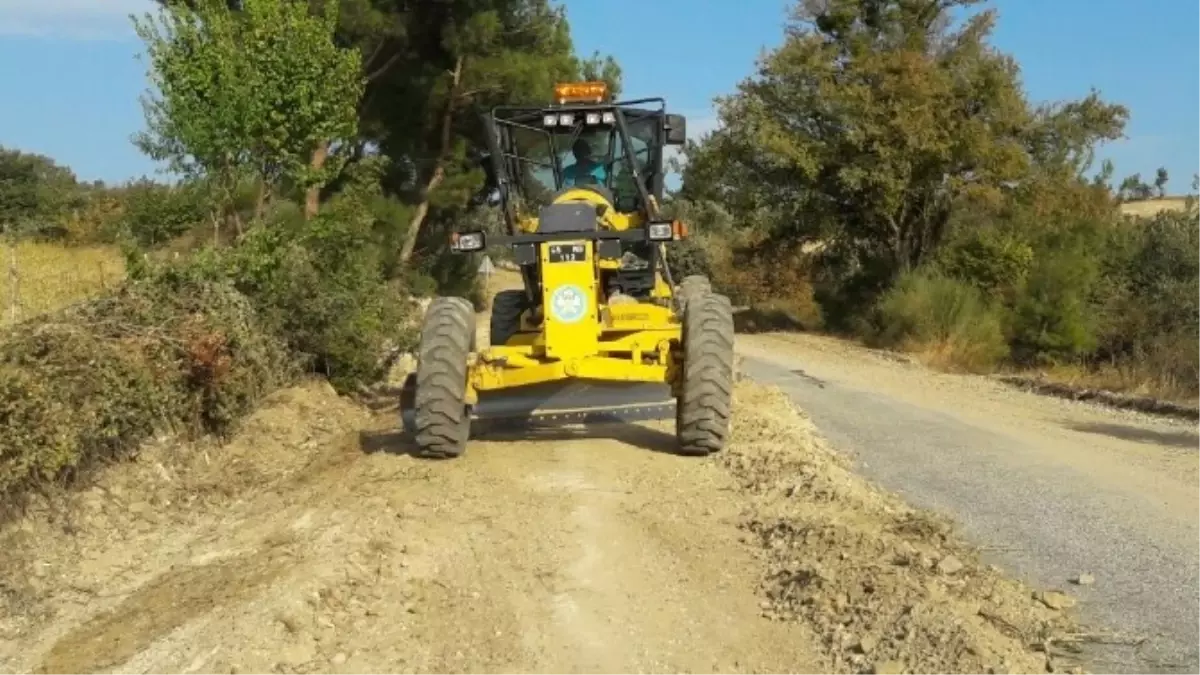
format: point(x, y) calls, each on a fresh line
point(568, 303)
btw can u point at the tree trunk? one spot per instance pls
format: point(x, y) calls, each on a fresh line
point(312, 200)
point(260, 203)
point(439, 168)
point(235, 219)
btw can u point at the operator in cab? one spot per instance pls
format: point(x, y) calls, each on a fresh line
point(585, 170)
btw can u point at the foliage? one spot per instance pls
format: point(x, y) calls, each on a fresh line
point(1051, 319)
point(155, 213)
point(85, 385)
point(35, 192)
point(317, 285)
point(994, 262)
point(425, 94)
point(871, 126)
point(263, 91)
point(928, 311)
point(707, 222)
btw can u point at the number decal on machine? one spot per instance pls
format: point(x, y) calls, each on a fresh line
point(560, 253)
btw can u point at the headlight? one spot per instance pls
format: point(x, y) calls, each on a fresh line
point(609, 118)
point(467, 241)
point(661, 232)
point(593, 118)
point(550, 120)
point(566, 120)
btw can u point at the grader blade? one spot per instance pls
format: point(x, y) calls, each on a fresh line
point(561, 403)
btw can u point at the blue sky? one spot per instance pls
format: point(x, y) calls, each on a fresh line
point(71, 77)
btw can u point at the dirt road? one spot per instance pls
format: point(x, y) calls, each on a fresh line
point(1053, 488)
point(312, 543)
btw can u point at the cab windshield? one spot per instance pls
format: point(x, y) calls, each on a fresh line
point(545, 161)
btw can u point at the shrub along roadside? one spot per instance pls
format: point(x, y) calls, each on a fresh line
point(949, 321)
point(192, 346)
point(87, 384)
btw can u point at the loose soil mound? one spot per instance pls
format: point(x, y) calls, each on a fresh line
point(76, 551)
point(886, 588)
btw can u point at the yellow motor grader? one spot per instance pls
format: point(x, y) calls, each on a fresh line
point(600, 330)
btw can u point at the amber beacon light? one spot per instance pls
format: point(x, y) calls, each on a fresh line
point(580, 92)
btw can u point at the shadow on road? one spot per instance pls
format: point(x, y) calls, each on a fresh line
point(766, 320)
point(1177, 439)
point(387, 441)
point(635, 435)
point(400, 442)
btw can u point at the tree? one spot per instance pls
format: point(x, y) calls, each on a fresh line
point(869, 122)
point(1133, 188)
point(876, 120)
point(430, 69)
point(461, 59)
point(1160, 181)
point(260, 92)
point(33, 190)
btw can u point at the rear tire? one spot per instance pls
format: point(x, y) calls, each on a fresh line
point(691, 285)
point(507, 307)
point(441, 419)
point(705, 403)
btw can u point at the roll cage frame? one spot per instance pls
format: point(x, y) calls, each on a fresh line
point(504, 160)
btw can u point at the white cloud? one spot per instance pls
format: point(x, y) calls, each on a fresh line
point(71, 19)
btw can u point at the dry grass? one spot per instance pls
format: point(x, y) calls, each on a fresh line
point(1128, 380)
point(1148, 208)
point(36, 278)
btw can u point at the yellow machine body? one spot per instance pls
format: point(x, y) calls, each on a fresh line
point(580, 334)
point(596, 332)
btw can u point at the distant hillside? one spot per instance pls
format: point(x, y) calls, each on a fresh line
point(1148, 207)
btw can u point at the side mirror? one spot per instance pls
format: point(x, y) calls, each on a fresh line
point(676, 128)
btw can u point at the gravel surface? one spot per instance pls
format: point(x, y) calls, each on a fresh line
point(1053, 489)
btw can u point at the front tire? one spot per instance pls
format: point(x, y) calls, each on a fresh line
point(441, 419)
point(705, 403)
point(692, 285)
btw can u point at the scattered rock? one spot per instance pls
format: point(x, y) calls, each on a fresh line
point(1083, 579)
point(1054, 599)
point(887, 668)
point(866, 644)
point(949, 565)
point(338, 658)
point(886, 587)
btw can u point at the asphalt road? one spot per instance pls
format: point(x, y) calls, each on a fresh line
point(1050, 489)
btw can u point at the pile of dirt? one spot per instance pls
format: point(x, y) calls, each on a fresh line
point(885, 588)
point(73, 547)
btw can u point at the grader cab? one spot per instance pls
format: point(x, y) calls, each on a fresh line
point(599, 328)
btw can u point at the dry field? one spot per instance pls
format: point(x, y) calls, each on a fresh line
point(1149, 207)
point(36, 278)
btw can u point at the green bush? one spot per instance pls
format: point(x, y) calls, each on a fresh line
point(952, 319)
point(993, 262)
point(85, 385)
point(1052, 320)
point(689, 256)
point(155, 213)
point(318, 285)
point(192, 345)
